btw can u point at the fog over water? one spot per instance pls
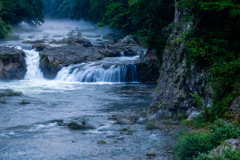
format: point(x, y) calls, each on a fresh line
point(56, 30)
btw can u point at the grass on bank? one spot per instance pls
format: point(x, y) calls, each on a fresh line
point(150, 125)
point(10, 93)
point(198, 145)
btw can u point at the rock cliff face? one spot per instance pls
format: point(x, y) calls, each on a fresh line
point(178, 78)
point(12, 63)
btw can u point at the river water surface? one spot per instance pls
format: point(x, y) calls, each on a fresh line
point(31, 131)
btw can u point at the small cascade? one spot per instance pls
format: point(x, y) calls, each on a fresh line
point(33, 70)
point(98, 73)
point(122, 54)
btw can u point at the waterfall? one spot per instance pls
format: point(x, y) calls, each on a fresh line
point(101, 71)
point(33, 70)
point(98, 73)
point(122, 54)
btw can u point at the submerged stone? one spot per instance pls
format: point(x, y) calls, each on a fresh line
point(101, 142)
point(76, 126)
point(151, 154)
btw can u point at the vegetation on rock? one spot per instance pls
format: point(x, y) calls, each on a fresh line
point(215, 43)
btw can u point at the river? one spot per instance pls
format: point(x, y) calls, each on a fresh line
point(32, 131)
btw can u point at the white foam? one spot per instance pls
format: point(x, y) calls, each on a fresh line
point(33, 70)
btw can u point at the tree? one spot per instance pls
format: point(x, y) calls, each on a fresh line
point(150, 17)
point(80, 10)
point(17, 11)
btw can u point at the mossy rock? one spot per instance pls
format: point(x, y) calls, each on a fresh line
point(151, 154)
point(76, 126)
point(101, 142)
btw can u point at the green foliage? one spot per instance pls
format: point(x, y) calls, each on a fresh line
point(97, 10)
point(17, 11)
point(10, 92)
point(179, 116)
point(74, 125)
point(13, 12)
point(227, 154)
point(58, 8)
point(192, 144)
point(215, 43)
point(165, 122)
point(186, 122)
point(117, 15)
point(197, 99)
point(178, 40)
point(149, 19)
point(151, 125)
point(143, 18)
point(203, 119)
point(80, 10)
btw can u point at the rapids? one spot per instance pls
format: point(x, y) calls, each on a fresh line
point(95, 90)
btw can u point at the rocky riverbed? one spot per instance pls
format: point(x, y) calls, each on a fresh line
point(35, 124)
point(78, 98)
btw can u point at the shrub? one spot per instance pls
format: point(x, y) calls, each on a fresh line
point(179, 134)
point(186, 122)
point(10, 92)
point(222, 131)
point(179, 116)
point(74, 125)
point(227, 154)
point(151, 125)
point(191, 145)
point(205, 156)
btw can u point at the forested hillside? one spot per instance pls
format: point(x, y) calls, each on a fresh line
point(13, 12)
point(122, 14)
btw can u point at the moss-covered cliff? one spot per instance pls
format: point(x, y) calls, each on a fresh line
point(178, 78)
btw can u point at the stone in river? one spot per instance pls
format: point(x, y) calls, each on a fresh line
point(101, 142)
point(151, 154)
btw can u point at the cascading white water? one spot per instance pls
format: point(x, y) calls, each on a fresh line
point(33, 70)
point(98, 73)
point(122, 54)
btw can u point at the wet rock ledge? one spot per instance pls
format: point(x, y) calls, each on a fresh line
point(12, 63)
point(80, 50)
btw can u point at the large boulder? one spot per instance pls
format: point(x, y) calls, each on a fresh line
point(12, 63)
point(40, 47)
point(79, 50)
point(74, 41)
point(128, 46)
point(54, 58)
